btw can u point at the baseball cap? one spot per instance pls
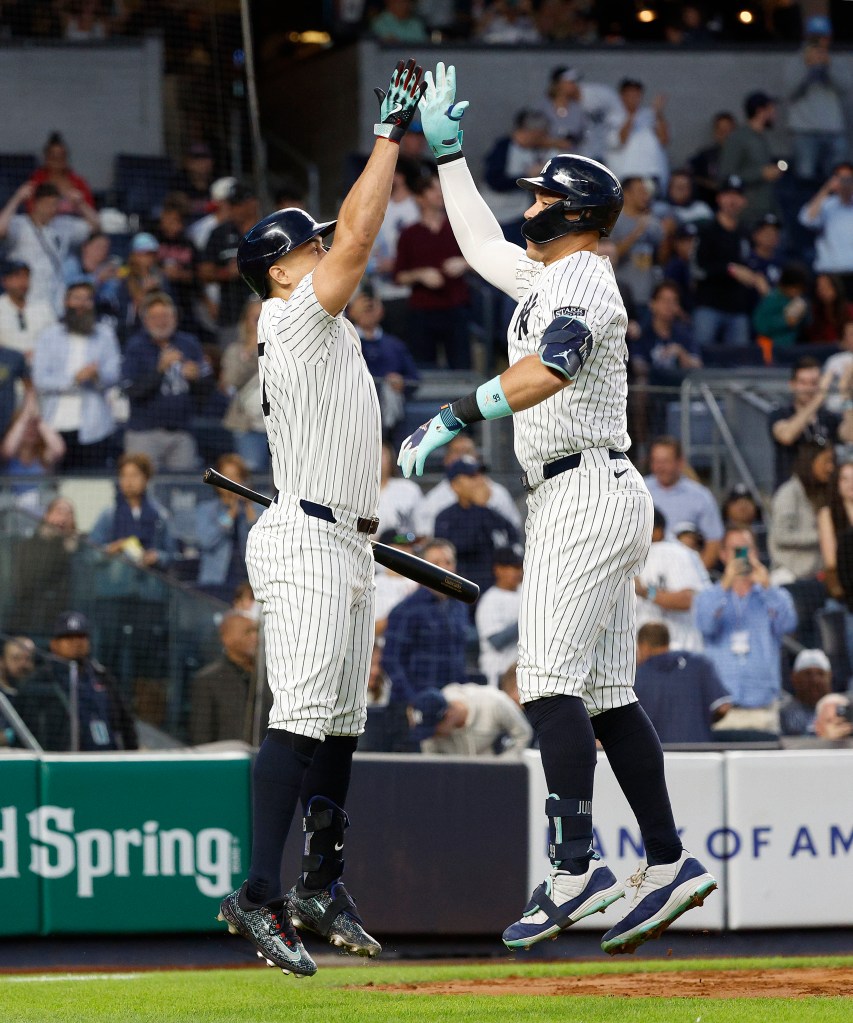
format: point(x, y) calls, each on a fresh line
point(71, 623)
point(13, 266)
point(508, 556)
point(733, 183)
point(688, 230)
point(738, 490)
point(465, 466)
point(755, 101)
point(239, 192)
point(427, 712)
point(144, 242)
point(565, 74)
point(686, 527)
point(631, 83)
point(221, 188)
point(812, 659)
point(769, 220)
point(818, 25)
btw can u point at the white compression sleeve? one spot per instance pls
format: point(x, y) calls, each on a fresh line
point(477, 231)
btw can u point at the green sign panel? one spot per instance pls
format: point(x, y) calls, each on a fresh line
point(19, 887)
point(134, 843)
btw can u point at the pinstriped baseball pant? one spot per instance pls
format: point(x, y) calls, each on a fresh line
point(314, 581)
point(588, 534)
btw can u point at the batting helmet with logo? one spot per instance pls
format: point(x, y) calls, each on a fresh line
point(589, 189)
point(270, 239)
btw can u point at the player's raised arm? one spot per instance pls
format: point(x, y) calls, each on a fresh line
point(363, 210)
point(477, 231)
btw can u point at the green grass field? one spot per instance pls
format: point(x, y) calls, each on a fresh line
point(348, 995)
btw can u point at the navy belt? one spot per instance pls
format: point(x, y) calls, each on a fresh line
point(320, 511)
point(560, 465)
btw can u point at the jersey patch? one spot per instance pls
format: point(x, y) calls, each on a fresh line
point(566, 345)
point(575, 311)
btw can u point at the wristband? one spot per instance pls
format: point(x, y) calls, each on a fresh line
point(651, 593)
point(487, 402)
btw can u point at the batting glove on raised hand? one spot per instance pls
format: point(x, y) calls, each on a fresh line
point(440, 113)
point(415, 449)
point(397, 107)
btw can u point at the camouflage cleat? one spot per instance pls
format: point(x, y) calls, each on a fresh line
point(270, 931)
point(331, 913)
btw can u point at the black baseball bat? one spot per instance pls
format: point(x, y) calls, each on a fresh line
point(409, 565)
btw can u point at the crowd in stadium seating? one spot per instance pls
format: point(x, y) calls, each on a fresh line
point(134, 353)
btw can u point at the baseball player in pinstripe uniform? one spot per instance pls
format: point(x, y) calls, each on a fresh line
point(588, 528)
point(309, 558)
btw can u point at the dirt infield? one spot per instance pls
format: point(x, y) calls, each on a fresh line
point(784, 983)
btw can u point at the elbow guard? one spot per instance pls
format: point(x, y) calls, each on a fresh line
point(566, 345)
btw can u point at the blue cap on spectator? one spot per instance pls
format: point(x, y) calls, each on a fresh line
point(467, 465)
point(818, 25)
point(427, 712)
point(733, 183)
point(144, 242)
point(13, 266)
point(756, 101)
point(71, 623)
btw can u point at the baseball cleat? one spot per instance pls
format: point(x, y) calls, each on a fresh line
point(661, 894)
point(560, 901)
point(271, 931)
point(331, 913)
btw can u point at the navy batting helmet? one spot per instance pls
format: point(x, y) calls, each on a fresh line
point(589, 188)
point(270, 239)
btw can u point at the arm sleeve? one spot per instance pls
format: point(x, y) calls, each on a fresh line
point(476, 229)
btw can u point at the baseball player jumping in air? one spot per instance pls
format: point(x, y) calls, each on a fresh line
point(308, 556)
point(588, 528)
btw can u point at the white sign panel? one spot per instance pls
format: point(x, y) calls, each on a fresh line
point(789, 840)
point(696, 789)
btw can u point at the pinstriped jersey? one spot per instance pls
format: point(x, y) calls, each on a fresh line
point(320, 405)
point(591, 412)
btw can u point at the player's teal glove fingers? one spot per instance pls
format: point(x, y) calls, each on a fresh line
point(434, 434)
point(397, 107)
point(440, 113)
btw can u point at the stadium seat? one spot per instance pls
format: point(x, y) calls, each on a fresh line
point(141, 182)
point(15, 169)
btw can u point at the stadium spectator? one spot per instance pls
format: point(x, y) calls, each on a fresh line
point(222, 528)
point(94, 263)
point(679, 265)
point(830, 214)
point(687, 25)
point(14, 375)
point(811, 679)
point(29, 448)
point(430, 262)
point(426, 635)
point(838, 369)
point(163, 370)
point(806, 418)
point(834, 520)
point(517, 155)
point(784, 313)
point(21, 318)
point(398, 498)
point(831, 310)
point(739, 508)
point(388, 359)
point(475, 530)
point(665, 352)
point(763, 257)
point(239, 378)
point(679, 690)
point(724, 284)
point(833, 718)
point(398, 23)
point(177, 258)
point(391, 587)
point(496, 616)
point(507, 23)
point(573, 106)
point(142, 275)
point(41, 578)
point(43, 239)
point(667, 587)
point(442, 496)
point(56, 170)
point(679, 205)
point(816, 92)
point(223, 693)
point(218, 263)
point(747, 154)
point(637, 146)
point(793, 541)
point(466, 719)
point(195, 179)
point(681, 499)
point(85, 21)
point(637, 235)
point(705, 164)
point(217, 210)
point(17, 663)
point(743, 619)
point(564, 21)
point(75, 680)
point(75, 364)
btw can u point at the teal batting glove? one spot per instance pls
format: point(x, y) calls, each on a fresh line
point(440, 113)
point(415, 449)
point(397, 106)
